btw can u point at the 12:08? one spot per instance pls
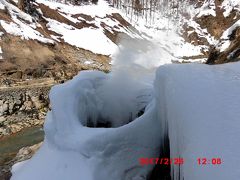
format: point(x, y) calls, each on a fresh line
point(206, 161)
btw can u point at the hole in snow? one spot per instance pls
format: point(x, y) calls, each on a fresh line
point(101, 122)
point(111, 110)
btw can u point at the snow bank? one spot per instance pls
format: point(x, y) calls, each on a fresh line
point(198, 105)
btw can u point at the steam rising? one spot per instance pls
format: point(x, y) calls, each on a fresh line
point(128, 88)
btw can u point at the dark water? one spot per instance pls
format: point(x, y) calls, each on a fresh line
point(10, 145)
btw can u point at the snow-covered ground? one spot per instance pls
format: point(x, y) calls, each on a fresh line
point(164, 32)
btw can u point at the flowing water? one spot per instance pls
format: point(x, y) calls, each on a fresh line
point(10, 145)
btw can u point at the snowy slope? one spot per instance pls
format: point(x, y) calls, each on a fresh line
point(165, 33)
point(186, 33)
point(198, 105)
point(81, 26)
point(18, 27)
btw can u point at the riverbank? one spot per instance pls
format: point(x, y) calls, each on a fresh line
point(18, 147)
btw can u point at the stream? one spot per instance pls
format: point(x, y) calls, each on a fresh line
point(10, 145)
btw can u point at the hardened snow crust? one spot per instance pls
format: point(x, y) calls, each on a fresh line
point(73, 151)
point(198, 106)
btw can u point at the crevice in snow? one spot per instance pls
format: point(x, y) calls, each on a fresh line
point(161, 171)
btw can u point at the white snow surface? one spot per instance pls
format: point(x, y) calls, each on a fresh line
point(198, 105)
point(87, 38)
point(164, 33)
point(99, 10)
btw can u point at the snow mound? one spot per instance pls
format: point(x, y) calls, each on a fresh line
point(99, 127)
point(198, 106)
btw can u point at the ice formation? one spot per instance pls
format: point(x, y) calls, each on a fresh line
point(77, 143)
point(198, 106)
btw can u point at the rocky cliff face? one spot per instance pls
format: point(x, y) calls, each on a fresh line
point(215, 27)
point(22, 107)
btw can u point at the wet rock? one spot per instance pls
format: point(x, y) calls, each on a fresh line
point(26, 152)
